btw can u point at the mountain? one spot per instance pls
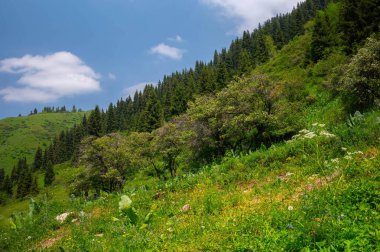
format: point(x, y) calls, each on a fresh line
point(284, 156)
point(20, 136)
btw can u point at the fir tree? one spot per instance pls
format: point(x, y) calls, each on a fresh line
point(111, 119)
point(2, 176)
point(7, 185)
point(49, 174)
point(95, 122)
point(37, 164)
point(24, 183)
point(34, 187)
point(152, 116)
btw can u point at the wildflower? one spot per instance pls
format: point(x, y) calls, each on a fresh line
point(290, 208)
point(125, 203)
point(296, 136)
point(326, 134)
point(304, 131)
point(358, 152)
point(335, 160)
point(344, 149)
point(348, 157)
point(310, 135)
point(315, 124)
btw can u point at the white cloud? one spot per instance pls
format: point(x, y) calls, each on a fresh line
point(177, 38)
point(130, 91)
point(249, 13)
point(48, 78)
point(167, 51)
point(111, 76)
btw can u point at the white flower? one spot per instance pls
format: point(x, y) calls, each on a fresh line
point(358, 152)
point(310, 135)
point(348, 157)
point(344, 149)
point(326, 134)
point(290, 208)
point(125, 203)
point(335, 160)
point(304, 131)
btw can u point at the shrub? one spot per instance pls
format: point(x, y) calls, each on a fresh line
point(361, 83)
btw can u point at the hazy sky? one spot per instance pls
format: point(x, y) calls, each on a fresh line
point(88, 52)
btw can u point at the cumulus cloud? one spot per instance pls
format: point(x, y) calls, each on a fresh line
point(167, 51)
point(176, 38)
point(130, 91)
point(48, 78)
point(249, 13)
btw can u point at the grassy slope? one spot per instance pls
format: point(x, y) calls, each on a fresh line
point(20, 136)
point(308, 194)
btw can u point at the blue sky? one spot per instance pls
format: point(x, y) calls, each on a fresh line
point(88, 52)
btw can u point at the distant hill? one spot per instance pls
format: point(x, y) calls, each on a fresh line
point(20, 136)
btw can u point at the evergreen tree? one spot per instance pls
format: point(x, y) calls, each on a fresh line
point(320, 37)
point(34, 187)
point(38, 159)
point(2, 176)
point(74, 110)
point(49, 174)
point(111, 119)
point(358, 19)
point(24, 183)
point(7, 185)
point(95, 122)
point(152, 116)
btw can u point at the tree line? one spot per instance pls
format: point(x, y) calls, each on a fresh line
point(149, 109)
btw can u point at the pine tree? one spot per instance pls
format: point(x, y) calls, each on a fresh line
point(37, 164)
point(34, 187)
point(320, 39)
point(111, 119)
point(95, 122)
point(7, 185)
point(49, 174)
point(358, 19)
point(2, 176)
point(152, 116)
point(24, 183)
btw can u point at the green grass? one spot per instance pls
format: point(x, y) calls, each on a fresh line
point(291, 196)
point(20, 136)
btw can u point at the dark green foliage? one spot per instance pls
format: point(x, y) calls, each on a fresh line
point(7, 186)
point(34, 187)
point(95, 122)
point(358, 19)
point(320, 38)
point(2, 176)
point(111, 119)
point(24, 179)
point(152, 116)
point(38, 159)
point(49, 174)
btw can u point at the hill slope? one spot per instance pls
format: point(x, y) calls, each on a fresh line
point(20, 136)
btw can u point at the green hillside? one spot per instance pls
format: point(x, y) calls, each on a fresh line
point(284, 157)
point(20, 136)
